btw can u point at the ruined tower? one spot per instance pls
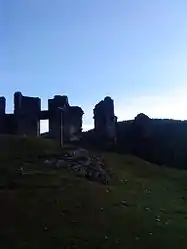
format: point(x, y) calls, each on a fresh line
point(105, 121)
point(27, 114)
point(64, 120)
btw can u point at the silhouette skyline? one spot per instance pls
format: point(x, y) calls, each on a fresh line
point(133, 51)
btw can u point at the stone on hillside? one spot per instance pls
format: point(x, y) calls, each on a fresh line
point(87, 162)
point(76, 167)
point(124, 204)
point(158, 218)
point(82, 172)
point(117, 241)
point(85, 165)
point(20, 170)
point(79, 153)
point(49, 162)
point(60, 163)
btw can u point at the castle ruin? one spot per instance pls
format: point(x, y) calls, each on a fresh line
point(65, 121)
point(105, 121)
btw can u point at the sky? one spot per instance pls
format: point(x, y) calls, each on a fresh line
point(132, 50)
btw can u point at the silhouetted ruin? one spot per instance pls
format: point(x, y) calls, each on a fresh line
point(163, 142)
point(105, 121)
point(160, 141)
point(71, 116)
point(27, 115)
point(64, 120)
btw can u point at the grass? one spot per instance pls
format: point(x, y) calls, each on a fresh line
point(143, 207)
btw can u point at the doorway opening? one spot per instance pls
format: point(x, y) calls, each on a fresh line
point(44, 127)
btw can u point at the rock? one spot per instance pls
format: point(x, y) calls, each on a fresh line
point(87, 162)
point(49, 162)
point(76, 167)
point(20, 170)
point(82, 172)
point(124, 204)
point(162, 209)
point(148, 191)
point(158, 218)
point(74, 221)
point(78, 153)
point(117, 241)
point(46, 161)
point(90, 166)
point(60, 163)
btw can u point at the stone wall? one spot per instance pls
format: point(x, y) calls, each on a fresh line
point(27, 114)
point(2, 114)
point(73, 122)
point(64, 120)
point(105, 121)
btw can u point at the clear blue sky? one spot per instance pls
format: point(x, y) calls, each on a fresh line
point(133, 50)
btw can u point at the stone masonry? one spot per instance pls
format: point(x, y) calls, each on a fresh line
point(27, 114)
point(105, 121)
point(2, 114)
point(71, 116)
point(63, 119)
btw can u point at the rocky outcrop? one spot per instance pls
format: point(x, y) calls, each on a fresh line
point(82, 163)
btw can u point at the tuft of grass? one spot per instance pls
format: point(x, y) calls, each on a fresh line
point(145, 206)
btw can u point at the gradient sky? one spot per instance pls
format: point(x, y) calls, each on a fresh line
point(133, 50)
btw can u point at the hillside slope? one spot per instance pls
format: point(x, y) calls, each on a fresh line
point(143, 206)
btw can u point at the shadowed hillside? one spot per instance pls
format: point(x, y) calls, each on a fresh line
point(142, 206)
point(163, 142)
point(160, 141)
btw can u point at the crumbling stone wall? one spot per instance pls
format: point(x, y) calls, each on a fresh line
point(27, 114)
point(55, 114)
point(2, 115)
point(105, 121)
point(73, 123)
point(142, 126)
point(10, 124)
point(64, 119)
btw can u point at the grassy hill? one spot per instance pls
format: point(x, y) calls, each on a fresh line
point(144, 206)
